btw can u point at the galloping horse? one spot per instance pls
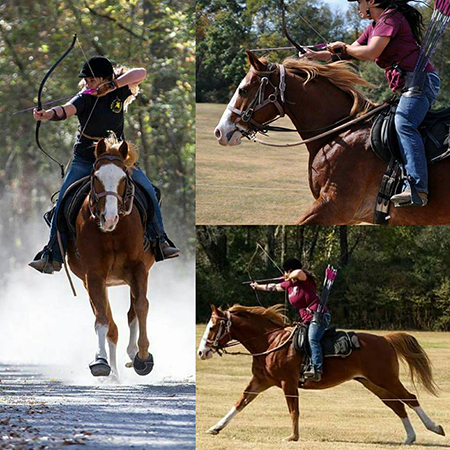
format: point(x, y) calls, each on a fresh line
point(109, 251)
point(275, 363)
point(344, 173)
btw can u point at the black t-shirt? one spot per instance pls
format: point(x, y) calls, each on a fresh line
point(106, 116)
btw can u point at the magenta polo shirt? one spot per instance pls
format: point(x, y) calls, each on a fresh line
point(302, 295)
point(402, 48)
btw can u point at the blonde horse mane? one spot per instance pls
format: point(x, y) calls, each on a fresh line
point(113, 144)
point(273, 313)
point(340, 73)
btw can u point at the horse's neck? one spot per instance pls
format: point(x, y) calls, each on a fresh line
point(318, 105)
point(256, 336)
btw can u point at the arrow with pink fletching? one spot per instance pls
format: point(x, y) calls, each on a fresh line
point(52, 102)
point(438, 22)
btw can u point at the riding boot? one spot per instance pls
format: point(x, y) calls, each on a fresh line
point(406, 198)
point(43, 262)
point(313, 374)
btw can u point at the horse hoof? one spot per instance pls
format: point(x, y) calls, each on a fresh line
point(129, 364)
point(143, 367)
point(440, 430)
point(212, 431)
point(100, 368)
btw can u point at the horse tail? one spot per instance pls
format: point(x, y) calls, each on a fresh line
point(419, 364)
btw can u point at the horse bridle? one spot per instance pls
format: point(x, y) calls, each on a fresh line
point(128, 197)
point(277, 98)
point(224, 330)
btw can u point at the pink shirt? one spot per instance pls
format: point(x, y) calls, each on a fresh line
point(402, 48)
point(302, 295)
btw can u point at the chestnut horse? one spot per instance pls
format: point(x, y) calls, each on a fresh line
point(109, 251)
point(262, 331)
point(344, 173)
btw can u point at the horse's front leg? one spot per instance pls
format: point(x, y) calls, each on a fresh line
point(96, 287)
point(291, 393)
point(255, 387)
point(133, 325)
point(143, 360)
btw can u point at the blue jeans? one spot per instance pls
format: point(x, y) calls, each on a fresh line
point(315, 333)
point(81, 168)
point(410, 113)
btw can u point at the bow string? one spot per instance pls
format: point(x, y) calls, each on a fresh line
point(39, 99)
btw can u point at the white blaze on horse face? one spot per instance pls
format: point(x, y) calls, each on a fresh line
point(226, 131)
point(204, 351)
point(110, 176)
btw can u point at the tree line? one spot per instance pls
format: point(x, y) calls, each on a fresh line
point(156, 35)
point(226, 28)
point(388, 277)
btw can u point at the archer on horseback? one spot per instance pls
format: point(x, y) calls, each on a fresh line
point(393, 41)
point(99, 113)
point(301, 287)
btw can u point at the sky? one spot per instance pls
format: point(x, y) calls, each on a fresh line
point(341, 4)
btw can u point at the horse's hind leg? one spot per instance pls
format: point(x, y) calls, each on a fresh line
point(133, 325)
point(99, 301)
point(392, 402)
point(143, 360)
point(409, 399)
point(254, 388)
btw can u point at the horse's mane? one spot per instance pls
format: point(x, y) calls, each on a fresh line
point(273, 313)
point(112, 147)
point(340, 73)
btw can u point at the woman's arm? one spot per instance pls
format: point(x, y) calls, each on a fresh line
point(131, 78)
point(368, 52)
point(267, 287)
point(297, 275)
point(56, 113)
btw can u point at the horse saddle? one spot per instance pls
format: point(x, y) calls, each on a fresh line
point(334, 343)
point(434, 130)
point(77, 192)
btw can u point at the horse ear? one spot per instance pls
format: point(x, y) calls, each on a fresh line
point(123, 150)
point(255, 62)
point(100, 148)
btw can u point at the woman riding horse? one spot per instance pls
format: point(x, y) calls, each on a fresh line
point(393, 41)
point(302, 293)
point(99, 113)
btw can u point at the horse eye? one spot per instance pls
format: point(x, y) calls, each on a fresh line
point(243, 91)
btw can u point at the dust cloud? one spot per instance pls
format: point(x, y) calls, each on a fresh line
point(42, 323)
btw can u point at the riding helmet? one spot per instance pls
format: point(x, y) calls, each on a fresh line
point(97, 66)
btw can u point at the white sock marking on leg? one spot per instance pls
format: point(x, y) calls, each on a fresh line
point(410, 434)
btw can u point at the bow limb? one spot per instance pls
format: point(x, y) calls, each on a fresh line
point(39, 104)
point(252, 279)
point(286, 33)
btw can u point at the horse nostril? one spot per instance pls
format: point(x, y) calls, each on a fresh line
point(217, 133)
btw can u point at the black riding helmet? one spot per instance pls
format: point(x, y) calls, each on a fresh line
point(97, 66)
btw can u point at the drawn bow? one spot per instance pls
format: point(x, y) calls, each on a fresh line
point(39, 104)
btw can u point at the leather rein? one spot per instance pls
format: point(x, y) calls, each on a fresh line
point(225, 324)
point(278, 99)
point(128, 197)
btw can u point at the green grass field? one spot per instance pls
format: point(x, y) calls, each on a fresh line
point(347, 417)
point(250, 183)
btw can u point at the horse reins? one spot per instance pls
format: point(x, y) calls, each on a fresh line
point(225, 324)
point(128, 197)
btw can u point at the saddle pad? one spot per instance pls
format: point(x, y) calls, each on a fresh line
point(434, 130)
point(334, 343)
